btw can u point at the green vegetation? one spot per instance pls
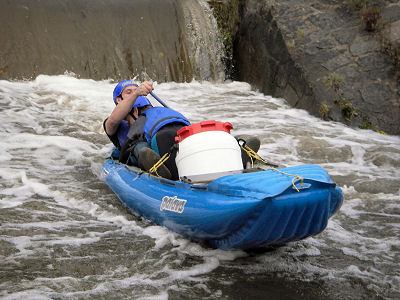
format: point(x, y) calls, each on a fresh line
point(358, 4)
point(367, 124)
point(324, 111)
point(291, 44)
point(369, 11)
point(347, 109)
point(333, 81)
point(371, 16)
point(300, 34)
point(370, 126)
point(3, 70)
point(296, 40)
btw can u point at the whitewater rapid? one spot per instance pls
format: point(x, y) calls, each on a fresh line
point(64, 234)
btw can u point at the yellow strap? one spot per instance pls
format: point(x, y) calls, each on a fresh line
point(294, 180)
point(252, 154)
point(159, 163)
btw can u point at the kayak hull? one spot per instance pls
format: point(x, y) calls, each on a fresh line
point(240, 211)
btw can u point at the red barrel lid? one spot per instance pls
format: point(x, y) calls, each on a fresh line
point(209, 125)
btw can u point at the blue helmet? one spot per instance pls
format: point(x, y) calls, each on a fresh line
point(141, 101)
point(120, 87)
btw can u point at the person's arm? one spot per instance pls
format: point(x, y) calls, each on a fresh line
point(125, 106)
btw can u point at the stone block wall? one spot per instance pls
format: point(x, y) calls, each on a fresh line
point(318, 56)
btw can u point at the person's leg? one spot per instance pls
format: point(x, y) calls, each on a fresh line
point(164, 140)
point(130, 154)
point(139, 147)
point(146, 158)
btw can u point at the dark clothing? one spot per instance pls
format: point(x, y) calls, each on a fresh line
point(148, 125)
point(163, 142)
point(113, 138)
point(117, 139)
point(155, 128)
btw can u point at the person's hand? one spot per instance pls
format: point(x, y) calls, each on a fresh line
point(144, 89)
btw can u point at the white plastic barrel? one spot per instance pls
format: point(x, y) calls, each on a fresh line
point(207, 148)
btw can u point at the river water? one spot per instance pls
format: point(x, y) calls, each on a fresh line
point(64, 235)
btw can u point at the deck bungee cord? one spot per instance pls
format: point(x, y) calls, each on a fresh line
point(159, 163)
point(274, 167)
point(252, 155)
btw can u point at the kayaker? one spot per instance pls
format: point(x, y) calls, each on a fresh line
point(135, 127)
point(142, 133)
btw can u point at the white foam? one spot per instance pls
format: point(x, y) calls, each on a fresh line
point(354, 253)
point(31, 294)
point(160, 296)
point(21, 193)
point(52, 127)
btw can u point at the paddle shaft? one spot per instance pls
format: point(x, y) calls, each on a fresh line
point(159, 100)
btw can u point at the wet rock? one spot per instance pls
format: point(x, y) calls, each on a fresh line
point(363, 44)
point(373, 62)
point(393, 33)
point(338, 61)
point(297, 47)
point(345, 37)
point(391, 13)
point(326, 19)
point(375, 95)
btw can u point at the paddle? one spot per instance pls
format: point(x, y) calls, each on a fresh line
point(159, 100)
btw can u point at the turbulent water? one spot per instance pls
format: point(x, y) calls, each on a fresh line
point(64, 235)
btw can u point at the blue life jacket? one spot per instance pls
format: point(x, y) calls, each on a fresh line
point(122, 133)
point(158, 117)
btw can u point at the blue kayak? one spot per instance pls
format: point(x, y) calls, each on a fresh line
point(239, 211)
